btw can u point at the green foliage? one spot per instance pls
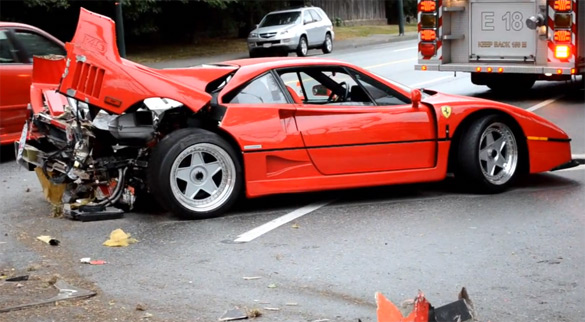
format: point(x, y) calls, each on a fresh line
point(48, 4)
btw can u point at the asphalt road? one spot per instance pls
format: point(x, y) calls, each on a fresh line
point(518, 253)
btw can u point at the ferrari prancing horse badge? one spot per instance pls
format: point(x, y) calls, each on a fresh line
point(446, 111)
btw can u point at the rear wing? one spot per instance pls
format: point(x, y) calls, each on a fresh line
point(96, 74)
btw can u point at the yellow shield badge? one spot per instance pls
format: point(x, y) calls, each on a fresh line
point(446, 111)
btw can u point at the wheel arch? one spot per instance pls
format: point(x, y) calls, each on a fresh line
point(524, 161)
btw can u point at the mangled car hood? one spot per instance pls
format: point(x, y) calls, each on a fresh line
point(96, 74)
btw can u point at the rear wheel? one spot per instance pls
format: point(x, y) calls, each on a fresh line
point(303, 47)
point(327, 44)
point(511, 84)
point(195, 174)
point(488, 156)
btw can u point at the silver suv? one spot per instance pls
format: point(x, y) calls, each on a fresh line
point(292, 30)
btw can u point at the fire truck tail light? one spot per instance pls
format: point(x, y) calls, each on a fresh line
point(562, 36)
point(489, 69)
point(500, 70)
point(562, 5)
point(428, 21)
point(424, 67)
point(478, 69)
point(428, 35)
point(573, 71)
point(562, 52)
point(559, 71)
point(427, 6)
point(427, 49)
point(562, 20)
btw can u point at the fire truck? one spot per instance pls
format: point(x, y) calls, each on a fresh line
point(506, 45)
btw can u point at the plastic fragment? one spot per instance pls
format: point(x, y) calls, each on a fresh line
point(249, 278)
point(272, 309)
point(233, 314)
point(97, 262)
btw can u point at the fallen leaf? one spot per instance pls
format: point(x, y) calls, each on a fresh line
point(48, 240)
point(272, 285)
point(118, 238)
point(295, 226)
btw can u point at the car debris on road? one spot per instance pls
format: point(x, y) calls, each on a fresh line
point(461, 310)
point(118, 238)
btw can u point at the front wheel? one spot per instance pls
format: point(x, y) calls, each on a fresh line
point(195, 174)
point(327, 44)
point(488, 155)
point(303, 47)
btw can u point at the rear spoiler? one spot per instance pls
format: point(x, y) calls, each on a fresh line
point(96, 74)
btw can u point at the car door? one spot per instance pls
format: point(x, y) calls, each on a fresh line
point(320, 27)
point(366, 133)
point(310, 28)
point(15, 79)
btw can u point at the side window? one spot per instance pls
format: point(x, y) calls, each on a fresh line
point(307, 17)
point(262, 90)
point(330, 86)
point(382, 94)
point(7, 54)
point(37, 45)
point(315, 15)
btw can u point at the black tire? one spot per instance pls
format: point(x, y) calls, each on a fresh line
point(488, 158)
point(512, 84)
point(327, 44)
point(303, 47)
point(194, 153)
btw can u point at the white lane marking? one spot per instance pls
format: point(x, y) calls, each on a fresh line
point(545, 103)
point(430, 81)
point(261, 230)
point(579, 167)
point(404, 49)
point(391, 63)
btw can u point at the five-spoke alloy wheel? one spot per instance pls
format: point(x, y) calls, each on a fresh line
point(488, 155)
point(195, 173)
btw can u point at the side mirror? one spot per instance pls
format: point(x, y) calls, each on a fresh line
point(320, 90)
point(257, 26)
point(415, 97)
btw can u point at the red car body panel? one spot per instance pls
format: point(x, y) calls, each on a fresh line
point(15, 80)
point(548, 145)
point(294, 147)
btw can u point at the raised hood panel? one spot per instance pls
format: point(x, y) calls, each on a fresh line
point(96, 74)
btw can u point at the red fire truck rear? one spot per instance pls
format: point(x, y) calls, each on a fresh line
point(506, 45)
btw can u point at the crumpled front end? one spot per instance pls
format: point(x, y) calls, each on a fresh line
point(95, 117)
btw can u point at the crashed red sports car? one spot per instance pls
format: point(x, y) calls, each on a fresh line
point(197, 138)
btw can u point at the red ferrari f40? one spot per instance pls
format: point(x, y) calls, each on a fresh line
point(197, 138)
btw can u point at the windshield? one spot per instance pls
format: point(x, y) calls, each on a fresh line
point(279, 19)
point(395, 83)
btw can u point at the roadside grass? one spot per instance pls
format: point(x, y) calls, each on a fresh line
point(218, 46)
point(344, 33)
